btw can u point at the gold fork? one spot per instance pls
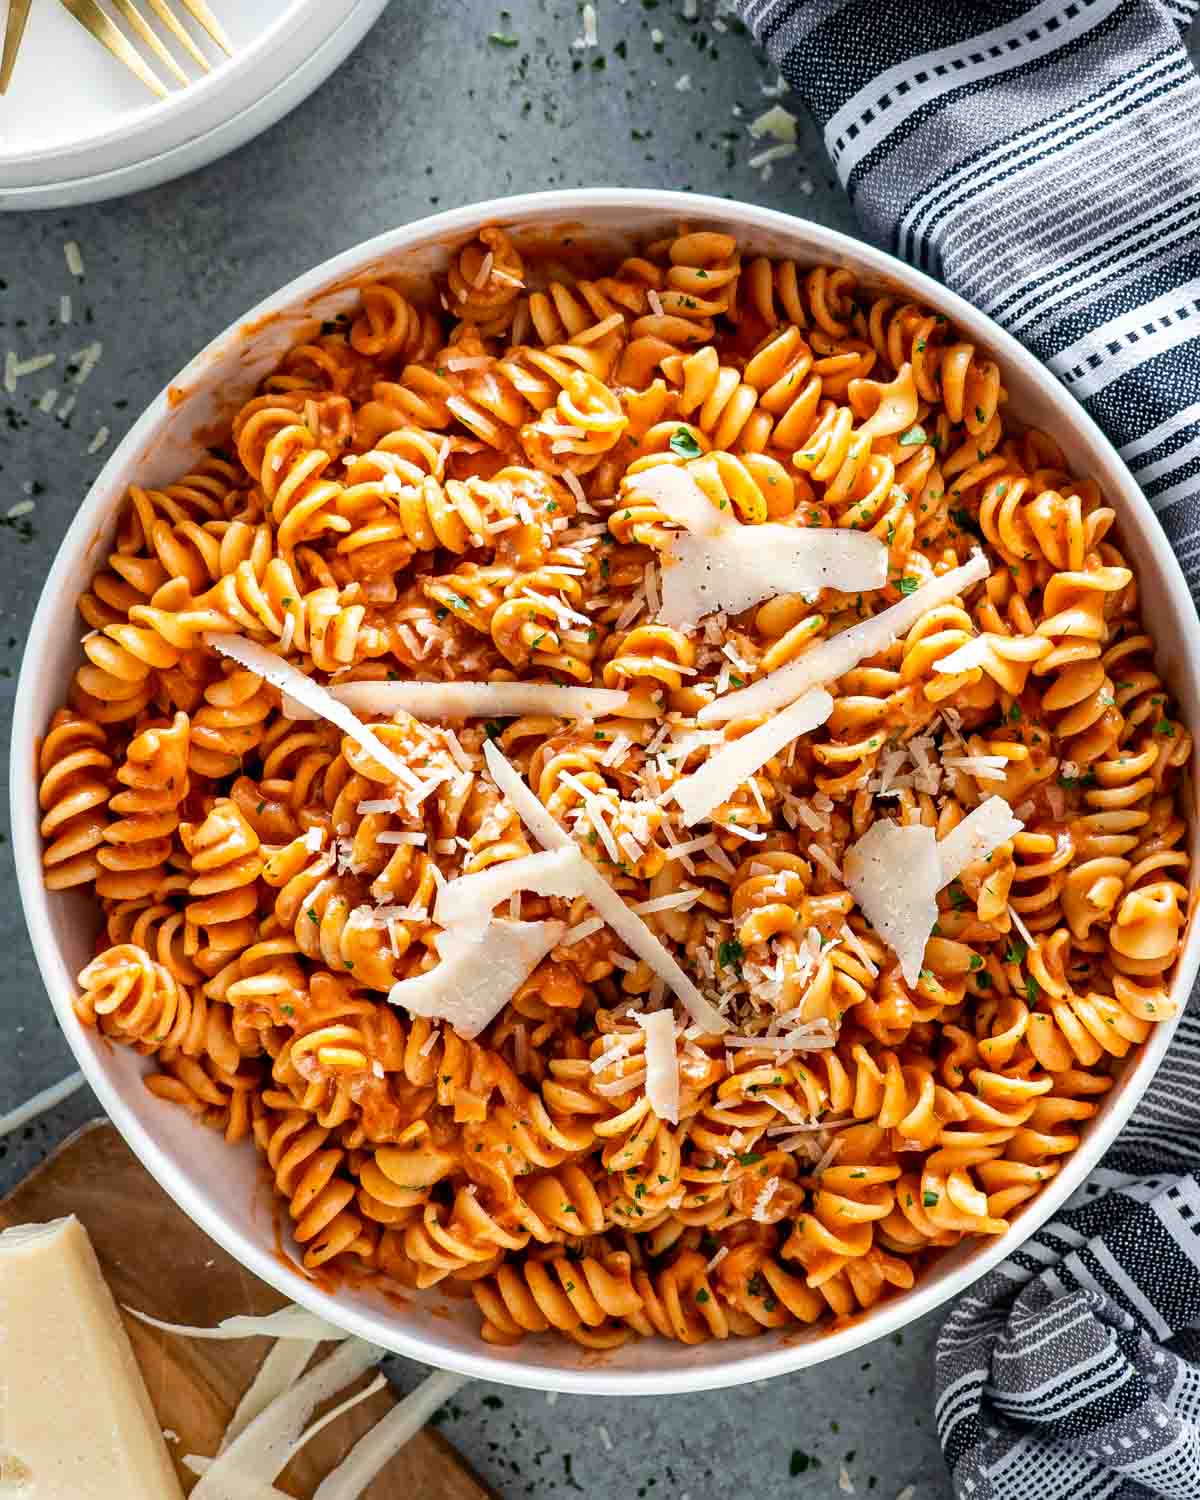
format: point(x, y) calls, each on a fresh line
point(18, 14)
point(88, 13)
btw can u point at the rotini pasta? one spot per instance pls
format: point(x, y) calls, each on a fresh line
point(464, 487)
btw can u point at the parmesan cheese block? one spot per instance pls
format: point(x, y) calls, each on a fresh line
point(76, 1421)
point(722, 565)
point(894, 873)
point(829, 659)
point(478, 973)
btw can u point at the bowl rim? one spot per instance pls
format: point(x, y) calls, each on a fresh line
point(384, 1328)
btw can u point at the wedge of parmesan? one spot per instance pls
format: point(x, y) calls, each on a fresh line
point(468, 700)
point(77, 1419)
point(721, 774)
point(829, 659)
point(468, 902)
point(311, 695)
point(625, 923)
point(989, 825)
point(894, 873)
point(478, 974)
point(722, 565)
point(662, 1064)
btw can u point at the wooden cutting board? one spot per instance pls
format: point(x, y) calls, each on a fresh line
point(155, 1259)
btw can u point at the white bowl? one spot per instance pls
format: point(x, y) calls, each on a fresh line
point(221, 1188)
point(107, 134)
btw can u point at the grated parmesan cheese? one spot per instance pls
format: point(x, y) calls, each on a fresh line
point(74, 258)
point(608, 903)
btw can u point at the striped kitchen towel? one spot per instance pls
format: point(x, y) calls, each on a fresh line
point(1043, 159)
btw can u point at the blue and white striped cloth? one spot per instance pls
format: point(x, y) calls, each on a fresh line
point(1043, 159)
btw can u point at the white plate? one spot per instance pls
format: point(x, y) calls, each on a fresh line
point(222, 1188)
point(107, 135)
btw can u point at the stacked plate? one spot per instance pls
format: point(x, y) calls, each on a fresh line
point(105, 134)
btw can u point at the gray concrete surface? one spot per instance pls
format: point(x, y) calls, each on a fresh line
point(429, 113)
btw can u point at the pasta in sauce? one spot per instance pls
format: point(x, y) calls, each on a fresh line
point(456, 490)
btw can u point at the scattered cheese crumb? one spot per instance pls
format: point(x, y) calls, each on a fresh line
point(22, 508)
point(772, 154)
point(98, 442)
point(64, 308)
point(85, 361)
point(590, 36)
point(74, 258)
point(683, 84)
point(777, 122)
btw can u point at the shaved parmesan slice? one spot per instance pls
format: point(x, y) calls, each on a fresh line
point(991, 824)
point(478, 973)
point(968, 656)
point(530, 809)
point(662, 1064)
point(288, 1323)
point(829, 659)
point(470, 700)
point(721, 774)
point(468, 901)
point(682, 500)
point(626, 924)
point(259, 1453)
point(894, 873)
point(387, 1437)
point(283, 1366)
point(723, 565)
point(320, 701)
point(746, 564)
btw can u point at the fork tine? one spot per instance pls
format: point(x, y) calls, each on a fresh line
point(210, 23)
point(173, 24)
point(89, 15)
point(148, 35)
point(18, 14)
